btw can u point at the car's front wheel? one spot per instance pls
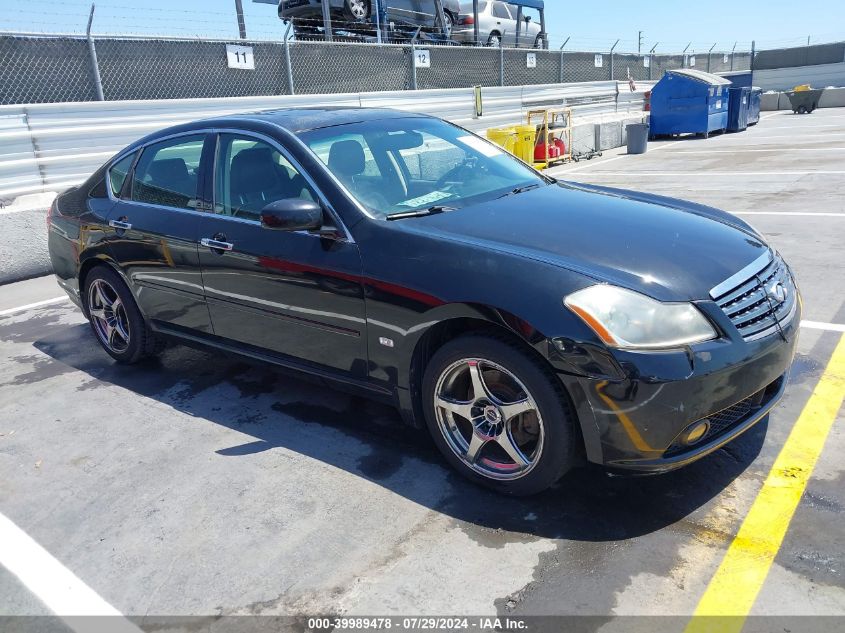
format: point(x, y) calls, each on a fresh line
point(115, 318)
point(497, 415)
point(358, 10)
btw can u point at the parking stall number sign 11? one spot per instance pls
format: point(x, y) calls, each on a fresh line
point(531, 60)
point(422, 58)
point(646, 61)
point(240, 57)
point(692, 61)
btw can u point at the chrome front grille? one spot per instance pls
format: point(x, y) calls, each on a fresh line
point(759, 299)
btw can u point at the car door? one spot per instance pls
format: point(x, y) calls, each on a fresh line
point(154, 224)
point(298, 294)
point(504, 23)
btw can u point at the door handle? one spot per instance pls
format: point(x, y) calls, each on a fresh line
point(120, 225)
point(216, 244)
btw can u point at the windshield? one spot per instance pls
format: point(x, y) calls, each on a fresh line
point(400, 165)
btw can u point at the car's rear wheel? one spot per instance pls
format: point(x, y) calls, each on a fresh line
point(115, 318)
point(358, 10)
point(497, 415)
point(495, 40)
point(448, 23)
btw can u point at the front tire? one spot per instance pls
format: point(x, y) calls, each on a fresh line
point(115, 318)
point(498, 416)
point(356, 10)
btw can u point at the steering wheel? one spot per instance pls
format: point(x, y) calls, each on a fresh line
point(458, 173)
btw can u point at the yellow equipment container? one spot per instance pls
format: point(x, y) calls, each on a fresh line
point(526, 136)
point(802, 88)
point(504, 137)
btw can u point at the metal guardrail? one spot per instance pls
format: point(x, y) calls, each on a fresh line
point(51, 146)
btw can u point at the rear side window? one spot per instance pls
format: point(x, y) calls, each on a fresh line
point(118, 172)
point(167, 173)
point(500, 10)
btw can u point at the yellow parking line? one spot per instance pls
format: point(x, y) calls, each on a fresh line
point(734, 588)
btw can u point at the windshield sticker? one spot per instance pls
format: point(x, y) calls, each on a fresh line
point(428, 198)
point(482, 146)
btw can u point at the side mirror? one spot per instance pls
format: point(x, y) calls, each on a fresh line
point(292, 214)
point(527, 19)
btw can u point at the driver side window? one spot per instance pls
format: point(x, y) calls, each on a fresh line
point(250, 174)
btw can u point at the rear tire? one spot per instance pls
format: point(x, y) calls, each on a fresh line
point(115, 319)
point(802, 110)
point(513, 429)
point(495, 40)
point(449, 24)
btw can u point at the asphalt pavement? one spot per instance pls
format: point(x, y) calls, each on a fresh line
point(204, 484)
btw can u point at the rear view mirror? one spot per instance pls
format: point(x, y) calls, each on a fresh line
point(292, 214)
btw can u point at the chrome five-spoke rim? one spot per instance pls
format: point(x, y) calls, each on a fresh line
point(358, 8)
point(108, 315)
point(488, 418)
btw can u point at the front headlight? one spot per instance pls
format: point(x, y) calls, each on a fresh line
point(627, 319)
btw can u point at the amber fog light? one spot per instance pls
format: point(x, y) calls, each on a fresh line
point(696, 432)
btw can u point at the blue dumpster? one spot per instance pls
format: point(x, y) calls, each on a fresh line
point(738, 99)
point(689, 101)
point(754, 105)
point(743, 79)
point(738, 78)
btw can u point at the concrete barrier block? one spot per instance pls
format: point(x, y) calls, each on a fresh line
point(608, 135)
point(769, 101)
point(23, 245)
point(583, 138)
point(832, 98)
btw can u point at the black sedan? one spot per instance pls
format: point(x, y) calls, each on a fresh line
point(529, 324)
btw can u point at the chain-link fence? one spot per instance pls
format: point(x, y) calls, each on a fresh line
point(41, 69)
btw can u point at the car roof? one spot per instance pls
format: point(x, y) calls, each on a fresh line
point(311, 118)
point(294, 120)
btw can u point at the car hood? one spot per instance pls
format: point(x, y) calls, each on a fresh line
point(666, 248)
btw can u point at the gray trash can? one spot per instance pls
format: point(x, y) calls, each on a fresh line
point(637, 138)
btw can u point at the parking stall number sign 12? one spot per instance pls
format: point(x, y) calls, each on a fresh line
point(240, 57)
point(598, 61)
point(531, 60)
point(422, 58)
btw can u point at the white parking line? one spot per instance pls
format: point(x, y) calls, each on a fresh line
point(805, 213)
point(685, 174)
point(52, 583)
point(779, 150)
point(37, 304)
point(818, 325)
point(607, 160)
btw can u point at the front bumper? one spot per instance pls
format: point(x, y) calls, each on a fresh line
point(636, 408)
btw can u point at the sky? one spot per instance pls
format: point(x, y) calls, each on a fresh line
point(670, 25)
